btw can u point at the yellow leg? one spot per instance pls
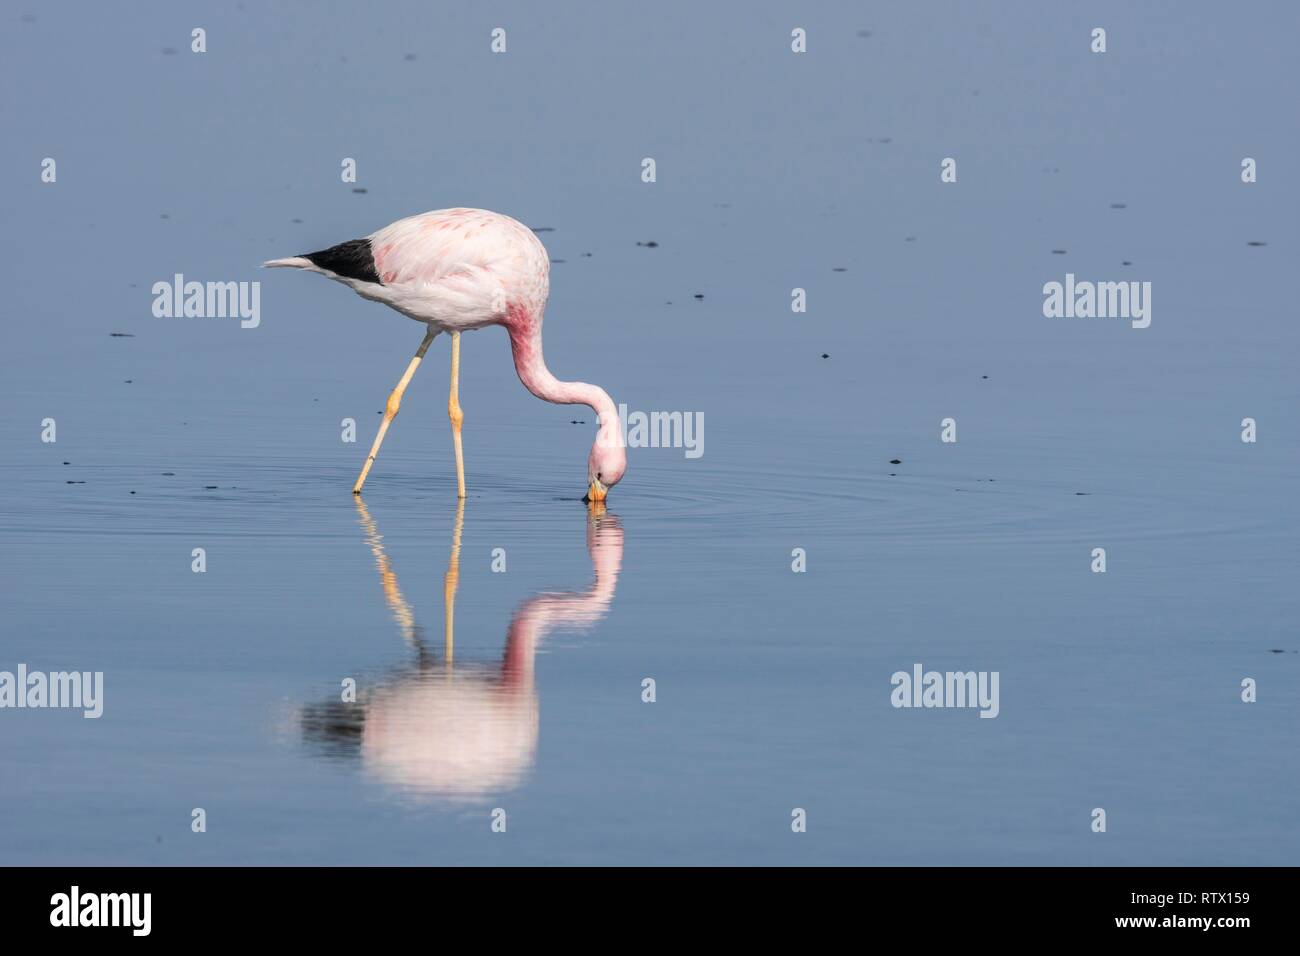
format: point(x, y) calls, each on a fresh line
point(455, 414)
point(390, 410)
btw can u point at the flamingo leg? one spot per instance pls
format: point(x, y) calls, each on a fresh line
point(455, 414)
point(390, 410)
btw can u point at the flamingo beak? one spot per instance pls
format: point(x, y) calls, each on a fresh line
point(597, 491)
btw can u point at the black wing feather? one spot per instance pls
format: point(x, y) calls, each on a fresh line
point(351, 260)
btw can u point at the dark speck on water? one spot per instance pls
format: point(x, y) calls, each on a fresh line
point(699, 295)
point(1058, 252)
point(1083, 493)
point(826, 355)
point(1126, 262)
point(1119, 205)
point(838, 269)
point(209, 487)
point(1276, 650)
point(895, 461)
point(75, 482)
point(543, 228)
point(122, 335)
point(409, 57)
point(649, 245)
point(909, 238)
point(359, 189)
point(1257, 243)
point(297, 220)
point(553, 261)
point(169, 474)
point(169, 51)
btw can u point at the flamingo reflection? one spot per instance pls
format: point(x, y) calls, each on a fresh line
point(461, 729)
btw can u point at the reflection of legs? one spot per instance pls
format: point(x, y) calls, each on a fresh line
point(455, 414)
point(390, 410)
point(450, 580)
point(402, 612)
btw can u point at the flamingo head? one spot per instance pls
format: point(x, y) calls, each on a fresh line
point(605, 469)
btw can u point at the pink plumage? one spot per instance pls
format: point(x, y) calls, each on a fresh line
point(461, 269)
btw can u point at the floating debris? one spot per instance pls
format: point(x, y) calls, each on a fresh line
point(699, 295)
point(838, 269)
point(543, 228)
point(826, 355)
point(121, 335)
point(74, 482)
point(169, 51)
point(169, 474)
point(359, 189)
point(895, 461)
point(1126, 263)
point(561, 261)
point(649, 245)
point(409, 57)
point(1058, 252)
point(909, 238)
point(1119, 205)
point(1257, 243)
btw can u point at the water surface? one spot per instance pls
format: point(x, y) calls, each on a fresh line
point(223, 689)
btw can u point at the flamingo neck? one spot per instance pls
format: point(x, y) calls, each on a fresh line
point(526, 344)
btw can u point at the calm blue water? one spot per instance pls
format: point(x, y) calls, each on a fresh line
point(222, 689)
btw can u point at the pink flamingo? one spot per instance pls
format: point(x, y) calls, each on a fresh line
point(461, 269)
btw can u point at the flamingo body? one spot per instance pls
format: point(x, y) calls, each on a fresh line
point(454, 269)
point(462, 269)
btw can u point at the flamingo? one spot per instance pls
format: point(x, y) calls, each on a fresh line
point(457, 270)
